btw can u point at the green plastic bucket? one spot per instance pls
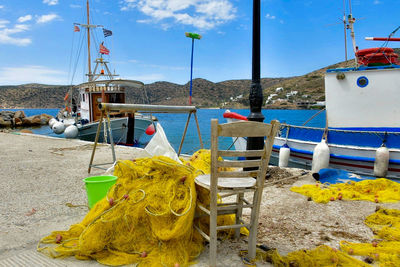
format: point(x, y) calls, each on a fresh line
point(97, 187)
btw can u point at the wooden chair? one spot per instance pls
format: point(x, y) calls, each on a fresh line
point(249, 178)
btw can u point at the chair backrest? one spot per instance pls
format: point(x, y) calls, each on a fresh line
point(255, 162)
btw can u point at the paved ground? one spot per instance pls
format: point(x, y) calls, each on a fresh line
point(39, 177)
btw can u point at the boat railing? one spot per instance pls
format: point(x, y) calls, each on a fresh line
point(374, 138)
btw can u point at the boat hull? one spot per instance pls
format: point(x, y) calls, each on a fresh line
point(353, 158)
point(350, 150)
point(119, 127)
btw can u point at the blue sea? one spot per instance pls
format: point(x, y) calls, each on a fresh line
point(174, 124)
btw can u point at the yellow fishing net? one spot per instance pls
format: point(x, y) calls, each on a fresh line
point(146, 217)
point(379, 190)
point(385, 224)
point(320, 256)
point(385, 250)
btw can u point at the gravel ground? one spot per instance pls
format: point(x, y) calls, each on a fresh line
point(42, 190)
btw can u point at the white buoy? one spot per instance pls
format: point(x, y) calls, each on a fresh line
point(381, 163)
point(58, 127)
point(321, 156)
point(284, 154)
point(51, 122)
point(71, 131)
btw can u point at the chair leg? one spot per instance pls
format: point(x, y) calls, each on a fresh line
point(254, 225)
point(213, 230)
point(239, 201)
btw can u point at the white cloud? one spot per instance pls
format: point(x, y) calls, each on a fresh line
point(25, 18)
point(202, 14)
point(269, 16)
point(74, 6)
point(1, 6)
point(377, 2)
point(50, 2)
point(47, 18)
point(31, 74)
point(6, 34)
point(3, 23)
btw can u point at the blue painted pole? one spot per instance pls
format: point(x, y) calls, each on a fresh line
point(191, 74)
point(192, 36)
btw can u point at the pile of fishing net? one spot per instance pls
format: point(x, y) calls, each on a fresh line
point(385, 224)
point(379, 190)
point(146, 217)
point(384, 250)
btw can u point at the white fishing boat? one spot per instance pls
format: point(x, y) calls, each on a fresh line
point(362, 131)
point(80, 119)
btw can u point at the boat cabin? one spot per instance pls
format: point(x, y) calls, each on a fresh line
point(93, 93)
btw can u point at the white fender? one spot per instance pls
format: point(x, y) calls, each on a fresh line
point(71, 131)
point(51, 122)
point(284, 154)
point(321, 156)
point(58, 127)
point(381, 163)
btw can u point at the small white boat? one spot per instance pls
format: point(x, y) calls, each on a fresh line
point(362, 130)
point(82, 120)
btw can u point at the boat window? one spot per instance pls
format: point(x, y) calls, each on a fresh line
point(116, 98)
point(362, 81)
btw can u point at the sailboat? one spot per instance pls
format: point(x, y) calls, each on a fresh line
point(362, 131)
point(81, 120)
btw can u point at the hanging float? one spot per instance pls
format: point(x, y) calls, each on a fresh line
point(71, 131)
point(381, 164)
point(58, 127)
point(321, 154)
point(284, 155)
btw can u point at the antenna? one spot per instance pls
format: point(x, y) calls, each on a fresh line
point(345, 28)
point(351, 21)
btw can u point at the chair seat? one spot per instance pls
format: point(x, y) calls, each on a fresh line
point(228, 182)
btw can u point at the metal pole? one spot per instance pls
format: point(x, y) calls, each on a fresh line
point(191, 74)
point(96, 140)
point(198, 37)
point(256, 95)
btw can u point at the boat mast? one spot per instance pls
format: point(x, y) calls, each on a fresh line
point(88, 39)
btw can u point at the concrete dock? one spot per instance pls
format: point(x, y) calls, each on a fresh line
point(42, 191)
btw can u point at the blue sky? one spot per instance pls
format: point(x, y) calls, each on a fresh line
point(37, 42)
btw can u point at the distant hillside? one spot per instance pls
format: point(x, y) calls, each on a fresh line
point(32, 96)
point(204, 92)
point(228, 94)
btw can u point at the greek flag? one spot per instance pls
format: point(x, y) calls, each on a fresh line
point(107, 32)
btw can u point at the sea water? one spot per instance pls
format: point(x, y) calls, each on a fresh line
point(174, 124)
